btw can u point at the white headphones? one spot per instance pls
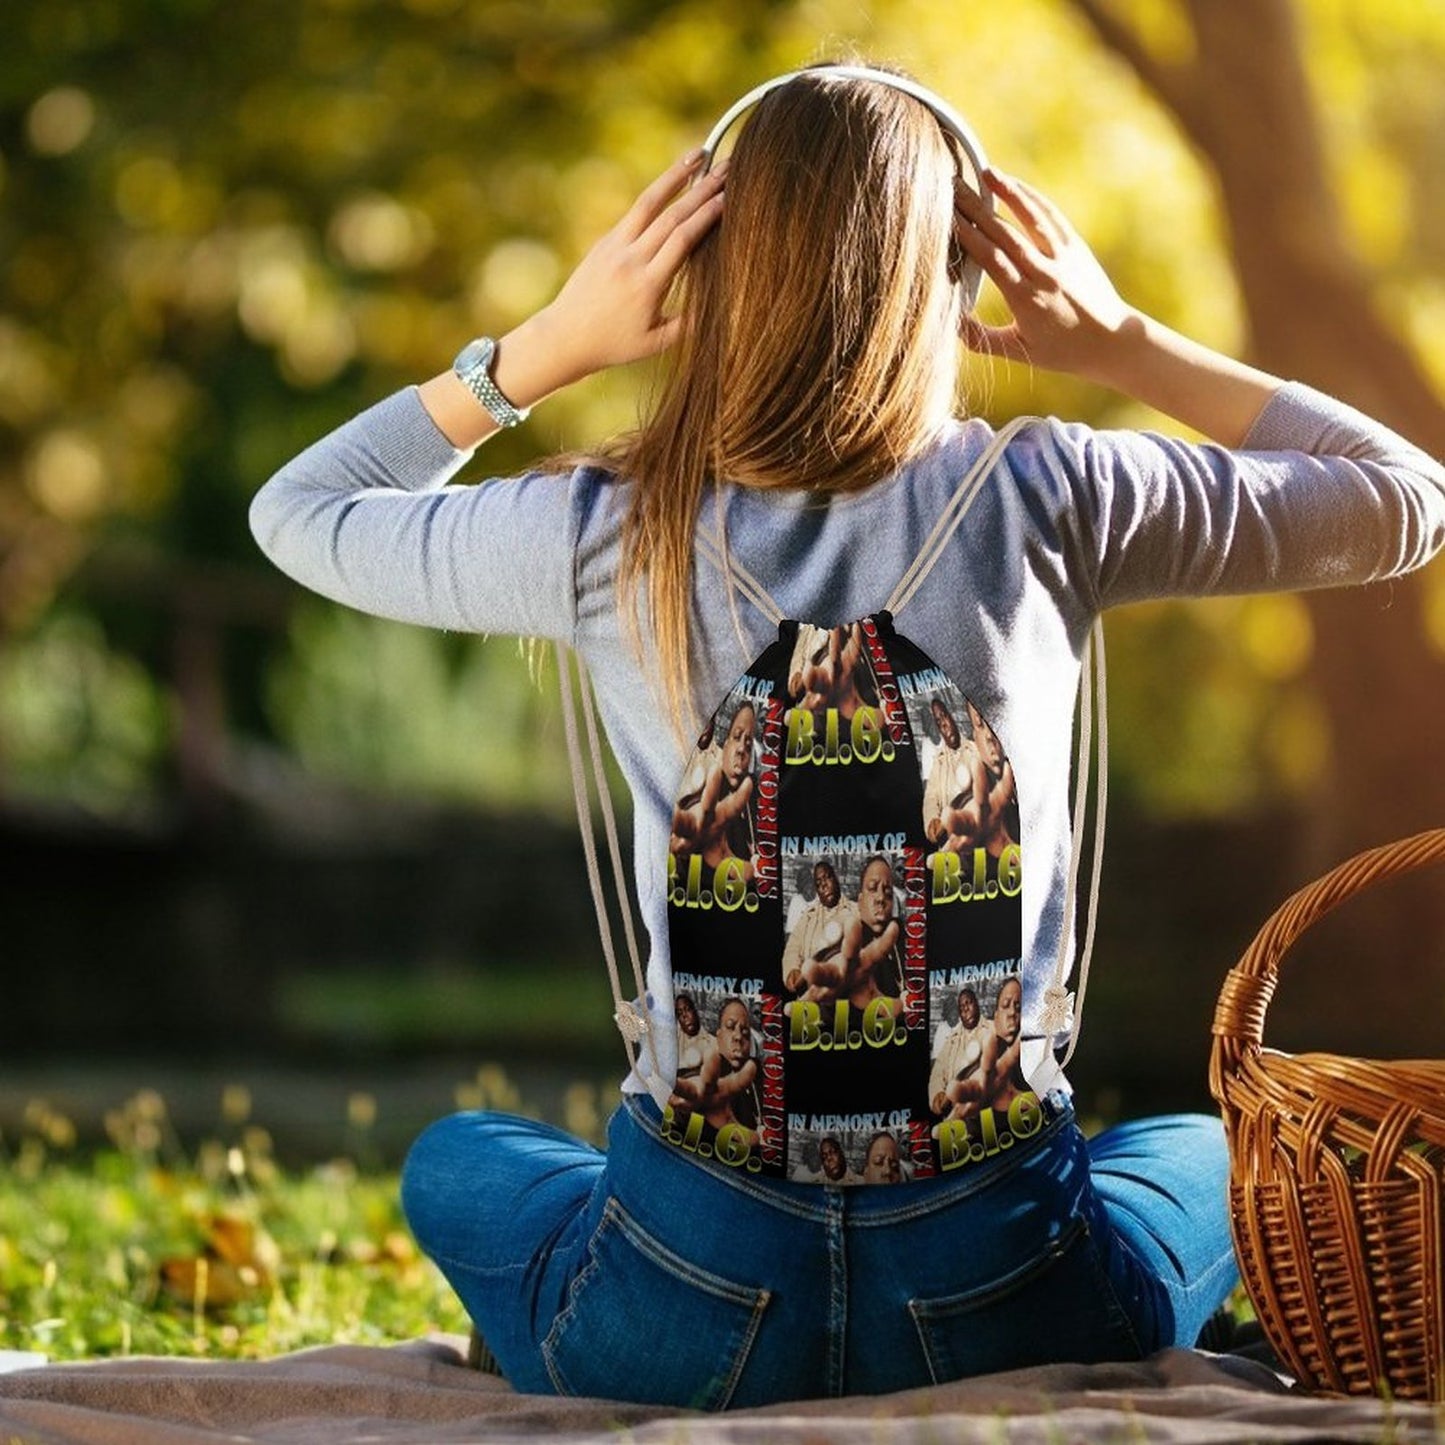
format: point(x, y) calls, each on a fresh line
point(971, 278)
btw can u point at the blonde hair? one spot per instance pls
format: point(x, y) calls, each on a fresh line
point(819, 348)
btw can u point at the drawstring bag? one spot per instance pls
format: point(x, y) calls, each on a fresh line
point(843, 876)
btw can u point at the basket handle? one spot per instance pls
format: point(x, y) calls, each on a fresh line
point(1249, 985)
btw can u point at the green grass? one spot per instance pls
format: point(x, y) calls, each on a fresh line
point(149, 1247)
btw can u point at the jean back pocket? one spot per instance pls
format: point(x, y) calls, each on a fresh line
point(642, 1323)
point(1058, 1306)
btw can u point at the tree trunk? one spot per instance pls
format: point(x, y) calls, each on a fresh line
point(1311, 317)
point(1244, 101)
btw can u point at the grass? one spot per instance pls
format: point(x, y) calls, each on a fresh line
point(147, 1246)
point(216, 1250)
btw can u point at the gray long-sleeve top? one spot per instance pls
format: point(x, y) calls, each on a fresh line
point(1070, 522)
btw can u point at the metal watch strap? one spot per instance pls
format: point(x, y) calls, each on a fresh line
point(474, 367)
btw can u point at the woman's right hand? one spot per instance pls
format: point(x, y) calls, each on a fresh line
point(610, 310)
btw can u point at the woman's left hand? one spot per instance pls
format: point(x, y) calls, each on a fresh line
point(1067, 316)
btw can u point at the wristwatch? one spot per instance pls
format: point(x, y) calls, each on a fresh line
point(473, 367)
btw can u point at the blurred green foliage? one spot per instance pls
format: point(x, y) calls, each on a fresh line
point(225, 228)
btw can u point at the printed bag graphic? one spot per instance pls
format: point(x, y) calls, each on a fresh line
point(844, 876)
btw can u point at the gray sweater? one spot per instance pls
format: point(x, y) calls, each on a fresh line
point(1071, 522)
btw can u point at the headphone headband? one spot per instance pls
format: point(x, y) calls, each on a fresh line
point(951, 121)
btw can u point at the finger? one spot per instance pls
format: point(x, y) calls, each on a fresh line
point(654, 236)
point(1017, 185)
point(679, 245)
point(994, 259)
point(683, 225)
point(1031, 221)
point(1047, 207)
point(653, 200)
point(1006, 243)
point(972, 207)
point(1040, 217)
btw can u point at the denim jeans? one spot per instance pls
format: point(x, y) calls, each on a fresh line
point(644, 1274)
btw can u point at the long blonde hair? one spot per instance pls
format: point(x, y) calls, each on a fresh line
point(819, 349)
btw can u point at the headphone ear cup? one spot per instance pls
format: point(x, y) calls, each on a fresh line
point(965, 273)
point(969, 274)
point(971, 283)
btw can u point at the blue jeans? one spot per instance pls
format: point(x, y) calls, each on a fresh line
point(643, 1274)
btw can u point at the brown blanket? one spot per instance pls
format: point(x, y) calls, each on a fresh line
point(422, 1391)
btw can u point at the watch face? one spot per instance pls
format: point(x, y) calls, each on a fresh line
point(472, 354)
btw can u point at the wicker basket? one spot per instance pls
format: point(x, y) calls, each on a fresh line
point(1336, 1174)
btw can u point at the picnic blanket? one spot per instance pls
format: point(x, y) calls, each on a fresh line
point(423, 1391)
